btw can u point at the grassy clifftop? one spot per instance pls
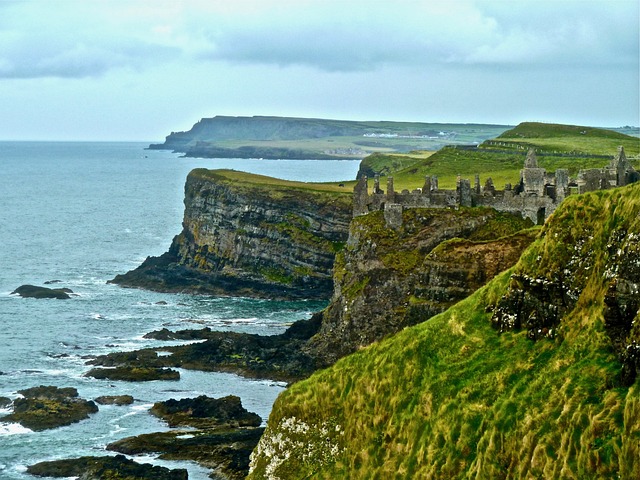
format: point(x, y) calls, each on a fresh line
point(559, 146)
point(455, 398)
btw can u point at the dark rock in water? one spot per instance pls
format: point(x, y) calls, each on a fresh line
point(114, 400)
point(206, 412)
point(33, 291)
point(5, 402)
point(227, 452)
point(47, 407)
point(278, 357)
point(105, 468)
point(134, 374)
point(225, 438)
point(50, 282)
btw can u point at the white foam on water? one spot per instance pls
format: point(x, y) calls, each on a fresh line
point(13, 429)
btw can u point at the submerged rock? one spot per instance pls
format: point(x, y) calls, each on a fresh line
point(47, 407)
point(33, 291)
point(134, 374)
point(114, 400)
point(105, 468)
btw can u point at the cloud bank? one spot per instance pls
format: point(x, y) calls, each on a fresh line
point(75, 39)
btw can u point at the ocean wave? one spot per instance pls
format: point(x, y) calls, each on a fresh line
point(13, 429)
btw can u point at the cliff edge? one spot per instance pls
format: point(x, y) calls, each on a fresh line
point(249, 235)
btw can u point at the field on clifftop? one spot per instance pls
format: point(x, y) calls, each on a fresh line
point(557, 146)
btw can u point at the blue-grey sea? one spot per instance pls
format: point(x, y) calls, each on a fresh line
point(80, 213)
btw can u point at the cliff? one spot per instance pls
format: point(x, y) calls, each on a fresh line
point(387, 279)
point(248, 235)
point(532, 376)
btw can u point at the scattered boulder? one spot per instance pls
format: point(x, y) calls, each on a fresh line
point(47, 407)
point(134, 374)
point(5, 402)
point(33, 291)
point(114, 400)
point(105, 468)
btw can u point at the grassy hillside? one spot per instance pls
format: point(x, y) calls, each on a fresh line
point(455, 398)
point(558, 146)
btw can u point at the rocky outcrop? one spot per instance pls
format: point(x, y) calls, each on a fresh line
point(538, 299)
point(33, 291)
point(114, 400)
point(279, 357)
point(247, 235)
point(387, 279)
point(130, 373)
point(206, 412)
point(221, 435)
point(45, 407)
point(105, 468)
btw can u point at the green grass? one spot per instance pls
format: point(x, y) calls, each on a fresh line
point(453, 398)
point(563, 146)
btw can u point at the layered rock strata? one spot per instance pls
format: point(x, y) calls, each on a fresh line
point(245, 236)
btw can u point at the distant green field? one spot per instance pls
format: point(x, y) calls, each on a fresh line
point(502, 158)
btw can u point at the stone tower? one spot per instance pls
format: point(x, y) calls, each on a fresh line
point(532, 176)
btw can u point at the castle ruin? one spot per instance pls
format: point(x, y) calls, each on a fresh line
point(536, 195)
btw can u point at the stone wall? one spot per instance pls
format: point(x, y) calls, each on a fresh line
point(536, 196)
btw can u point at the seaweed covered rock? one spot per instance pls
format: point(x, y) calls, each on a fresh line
point(134, 374)
point(114, 400)
point(105, 468)
point(222, 436)
point(278, 357)
point(46, 407)
point(206, 412)
point(225, 451)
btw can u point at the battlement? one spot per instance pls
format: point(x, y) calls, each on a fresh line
point(536, 196)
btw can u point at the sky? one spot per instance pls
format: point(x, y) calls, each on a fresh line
point(140, 69)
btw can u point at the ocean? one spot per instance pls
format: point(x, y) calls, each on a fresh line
point(78, 213)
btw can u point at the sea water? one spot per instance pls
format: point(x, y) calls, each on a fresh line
point(77, 214)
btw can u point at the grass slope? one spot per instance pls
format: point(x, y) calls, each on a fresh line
point(559, 146)
point(254, 181)
point(453, 398)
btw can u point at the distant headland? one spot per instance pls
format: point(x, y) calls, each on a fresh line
point(318, 139)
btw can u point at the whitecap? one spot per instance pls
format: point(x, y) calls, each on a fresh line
point(13, 429)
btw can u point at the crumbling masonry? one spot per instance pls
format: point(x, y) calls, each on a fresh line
point(536, 196)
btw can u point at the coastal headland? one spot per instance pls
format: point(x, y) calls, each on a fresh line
point(459, 340)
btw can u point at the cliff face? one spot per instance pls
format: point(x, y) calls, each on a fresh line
point(386, 279)
point(532, 376)
point(245, 235)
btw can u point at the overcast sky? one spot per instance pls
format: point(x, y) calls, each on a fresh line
point(139, 69)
